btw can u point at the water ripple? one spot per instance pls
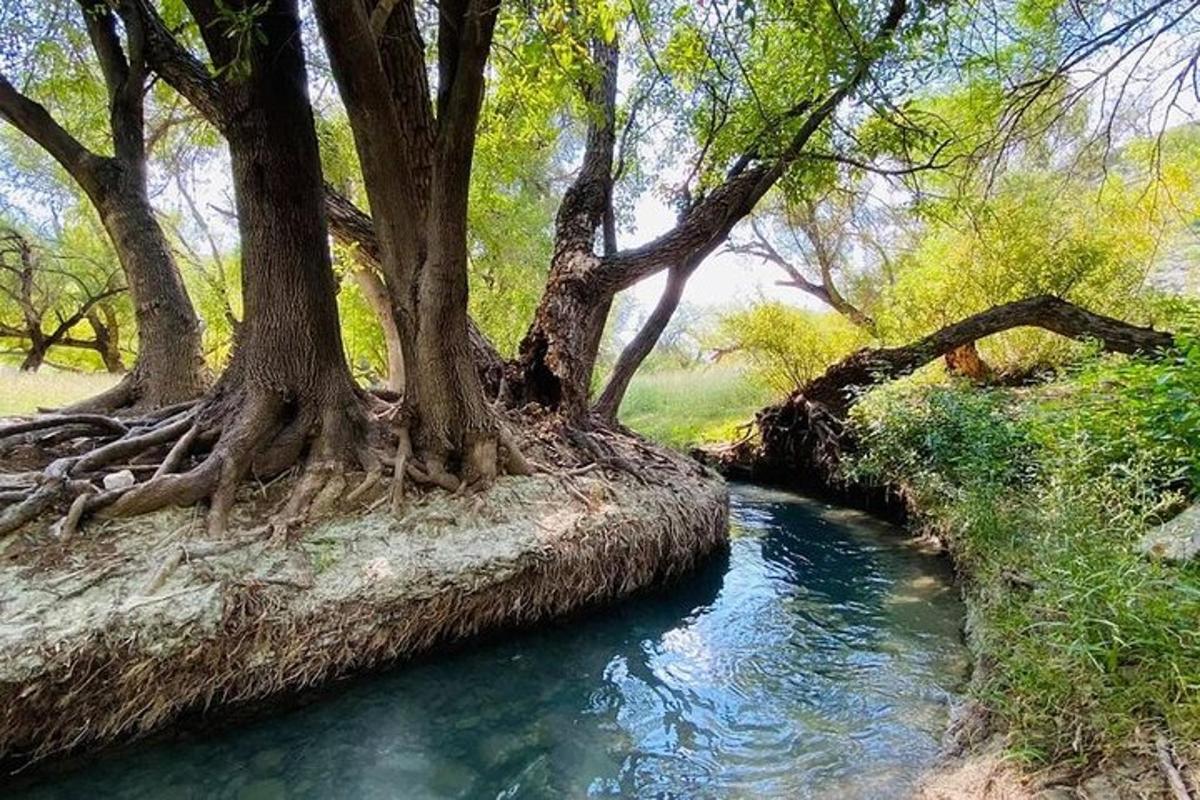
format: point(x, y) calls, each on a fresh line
point(816, 660)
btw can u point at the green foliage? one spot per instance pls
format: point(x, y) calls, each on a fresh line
point(1044, 495)
point(787, 346)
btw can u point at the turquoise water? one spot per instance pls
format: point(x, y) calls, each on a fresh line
point(816, 659)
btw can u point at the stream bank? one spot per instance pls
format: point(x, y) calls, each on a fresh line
point(817, 657)
point(134, 623)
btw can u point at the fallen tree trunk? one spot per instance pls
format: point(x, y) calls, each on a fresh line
point(802, 440)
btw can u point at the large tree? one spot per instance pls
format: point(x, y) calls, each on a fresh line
point(170, 367)
point(287, 393)
point(558, 354)
point(416, 154)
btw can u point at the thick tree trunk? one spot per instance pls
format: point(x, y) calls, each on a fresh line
point(287, 392)
point(558, 353)
point(639, 347)
point(289, 344)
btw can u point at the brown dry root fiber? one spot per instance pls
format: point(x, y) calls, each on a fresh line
point(119, 637)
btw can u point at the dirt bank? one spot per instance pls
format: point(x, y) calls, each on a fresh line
point(131, 624)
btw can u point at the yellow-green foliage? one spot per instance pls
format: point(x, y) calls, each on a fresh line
point(787, 346)
point(1038, 233)
point(684, 407)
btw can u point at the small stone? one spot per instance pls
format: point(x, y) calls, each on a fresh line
point(1175, 540)
point(119, 480)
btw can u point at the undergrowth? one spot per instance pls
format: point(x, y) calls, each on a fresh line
point(1044, 494)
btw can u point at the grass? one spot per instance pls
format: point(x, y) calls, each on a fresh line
point(26, 392)
point(1087, 645)
point(683, 407)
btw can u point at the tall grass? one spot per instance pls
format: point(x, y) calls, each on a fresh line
point(683, 407)
point(26, 392)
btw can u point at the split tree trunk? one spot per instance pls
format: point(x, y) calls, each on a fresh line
point(558, 353)
point(417, 168)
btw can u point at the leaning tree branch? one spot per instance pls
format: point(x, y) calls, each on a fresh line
point(835, 388)
point(33, 120)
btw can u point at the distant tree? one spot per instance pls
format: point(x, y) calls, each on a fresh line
point(43, 305)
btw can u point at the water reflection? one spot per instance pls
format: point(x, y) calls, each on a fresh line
point(814, 660)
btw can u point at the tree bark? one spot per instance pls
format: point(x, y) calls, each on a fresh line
point(35, 356)
point(804, 438)
point(376, 295)
point(834, 387)
point(558, 353)
point(417, 172)
point(640, 346)
point(287, 393)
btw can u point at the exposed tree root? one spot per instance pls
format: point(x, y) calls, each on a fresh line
point(203, 452)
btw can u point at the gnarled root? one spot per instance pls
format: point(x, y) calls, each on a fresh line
point(203, 452)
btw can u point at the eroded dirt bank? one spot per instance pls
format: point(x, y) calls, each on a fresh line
point(130, 624)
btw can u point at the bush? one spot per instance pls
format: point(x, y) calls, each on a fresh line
point(787, 346)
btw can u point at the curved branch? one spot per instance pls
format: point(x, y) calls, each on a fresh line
point(872, 365)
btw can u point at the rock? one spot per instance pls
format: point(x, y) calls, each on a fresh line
point(119, 480)
point(1175, 540)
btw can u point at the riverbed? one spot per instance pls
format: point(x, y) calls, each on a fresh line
point(818, 658)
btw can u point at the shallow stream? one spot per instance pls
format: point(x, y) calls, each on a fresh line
point(817, 659)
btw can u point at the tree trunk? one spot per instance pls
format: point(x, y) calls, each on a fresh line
point(107, 334)
point(287, 392)
point(558, 353)
point(640, 346)
point(170, 364)
point(834, 388)
point(965, 361)
point(289, 344)
point(376, 295)
point(35, 356)
point(804, 437)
